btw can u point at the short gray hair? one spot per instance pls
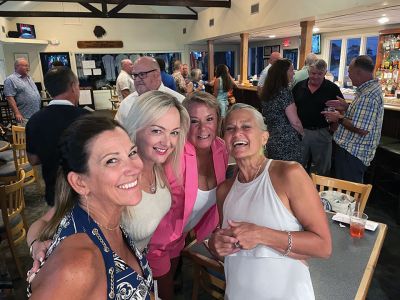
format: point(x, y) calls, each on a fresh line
point(258, 117)
point(320, 65)
point(310, 59)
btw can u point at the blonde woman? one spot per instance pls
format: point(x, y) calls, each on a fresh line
point(196, 84)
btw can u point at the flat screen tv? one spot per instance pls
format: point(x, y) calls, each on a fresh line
point(26, 31)
point(316, 43)
point(54, 59)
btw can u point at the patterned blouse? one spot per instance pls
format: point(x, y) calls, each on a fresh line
point(122, 281)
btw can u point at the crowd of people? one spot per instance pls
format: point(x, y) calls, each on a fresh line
point(128, 191)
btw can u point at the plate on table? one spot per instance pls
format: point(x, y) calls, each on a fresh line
point(337, 202)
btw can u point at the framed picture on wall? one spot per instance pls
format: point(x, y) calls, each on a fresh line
point(267, 50)
point(276, 48)
point(21, 55)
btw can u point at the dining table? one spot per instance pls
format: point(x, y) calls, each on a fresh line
point(348, 272)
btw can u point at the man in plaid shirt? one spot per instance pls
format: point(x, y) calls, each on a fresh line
point(359, 131)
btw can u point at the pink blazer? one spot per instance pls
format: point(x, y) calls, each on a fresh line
point(184, 194)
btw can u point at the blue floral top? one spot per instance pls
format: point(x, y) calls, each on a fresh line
point(122, 281)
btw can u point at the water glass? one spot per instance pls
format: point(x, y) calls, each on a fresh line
point(357, 224)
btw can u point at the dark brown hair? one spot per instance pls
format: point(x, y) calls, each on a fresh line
point(276, 80)
point(222, 71)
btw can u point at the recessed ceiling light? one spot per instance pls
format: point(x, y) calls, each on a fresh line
point(315, 29)
point(272, 36)
point(383, 20)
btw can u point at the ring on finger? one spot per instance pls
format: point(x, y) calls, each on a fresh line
point(237, 244)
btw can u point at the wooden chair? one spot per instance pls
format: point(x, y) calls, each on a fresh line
point(359, 191)
point(9, 171)
point(208, 273)
point(13, 226)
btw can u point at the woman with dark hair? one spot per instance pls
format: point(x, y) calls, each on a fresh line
point(91, 256)
point(280, 113)
point(223, 83)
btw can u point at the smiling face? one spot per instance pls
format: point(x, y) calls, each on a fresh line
point(113, 170)
point(159, 139)
point(203, 125)
point(242, 135)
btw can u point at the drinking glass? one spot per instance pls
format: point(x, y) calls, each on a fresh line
point(357, 224)
point(330, 109)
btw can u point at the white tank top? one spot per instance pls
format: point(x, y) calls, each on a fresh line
point(141, 220)
point(262, 272)
point(204, 201)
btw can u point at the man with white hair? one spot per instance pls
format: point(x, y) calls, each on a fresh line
point(303, 73)
point(264, 73)
point(147, 77)
point(125, 84)
point(21, 92)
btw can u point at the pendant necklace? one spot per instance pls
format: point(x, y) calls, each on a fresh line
point(258, 170)
point(153, 184)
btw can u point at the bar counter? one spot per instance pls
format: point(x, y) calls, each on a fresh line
point(246, 93)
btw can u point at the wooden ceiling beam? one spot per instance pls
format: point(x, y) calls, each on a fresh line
point(92, 9)
point(58, 14)
point(192, 3)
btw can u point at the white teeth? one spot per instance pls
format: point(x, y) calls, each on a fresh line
point(239, 143)
point(203, 136)
point(130, 185)
point(160, 150)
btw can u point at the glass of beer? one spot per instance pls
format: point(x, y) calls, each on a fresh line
point(357, 224)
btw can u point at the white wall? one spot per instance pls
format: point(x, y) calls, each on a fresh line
point(237, 19)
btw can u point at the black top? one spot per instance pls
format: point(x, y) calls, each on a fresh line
point(43, 131)
point(310, 105)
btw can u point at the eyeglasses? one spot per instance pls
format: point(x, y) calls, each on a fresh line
point(142, 75)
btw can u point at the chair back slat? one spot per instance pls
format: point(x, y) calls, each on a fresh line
point(18, 134)
point(360, 192)
point(12, 196)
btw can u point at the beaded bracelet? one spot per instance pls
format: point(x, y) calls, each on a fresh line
point(289, 248)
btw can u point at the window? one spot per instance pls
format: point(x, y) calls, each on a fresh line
point(353, 49)
point(372, 47)
point(256, 61)
point(343, 50)
point(334, 59)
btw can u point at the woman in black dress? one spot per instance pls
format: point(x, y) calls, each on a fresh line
point(280, 113)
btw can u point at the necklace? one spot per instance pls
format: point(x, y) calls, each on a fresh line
point(105, 227)
point(258, 171)
point(153, 184)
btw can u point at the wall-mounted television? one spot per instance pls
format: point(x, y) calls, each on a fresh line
point(51, 59)
point(26, 31)
point(316, 43)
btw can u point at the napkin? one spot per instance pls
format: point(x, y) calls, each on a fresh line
point(370, 225)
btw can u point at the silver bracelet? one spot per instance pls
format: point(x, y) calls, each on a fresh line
point(289, 248)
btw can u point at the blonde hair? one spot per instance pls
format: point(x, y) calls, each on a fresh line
point(150, 107)
point(195, 74)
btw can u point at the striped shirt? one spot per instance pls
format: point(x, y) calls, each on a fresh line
point(366, 113)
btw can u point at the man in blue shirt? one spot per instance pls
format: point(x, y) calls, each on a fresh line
point(21, 92)
point(166, 79)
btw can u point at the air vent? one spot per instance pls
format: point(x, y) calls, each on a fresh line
point(184, 30)
point(254, 8)
point(211, 22)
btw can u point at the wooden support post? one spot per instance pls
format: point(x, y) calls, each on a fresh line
point(244, 57)
point(210, 45)
point(306, 40)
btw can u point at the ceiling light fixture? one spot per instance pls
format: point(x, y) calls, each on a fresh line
point(383, 20)
point(271, 36)
point(315, 29)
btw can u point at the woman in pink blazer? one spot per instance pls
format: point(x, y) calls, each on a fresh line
point(203, 167)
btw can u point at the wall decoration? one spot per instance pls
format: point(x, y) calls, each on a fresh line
point(267, 50)
point(276, 48)
point(26, 31)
